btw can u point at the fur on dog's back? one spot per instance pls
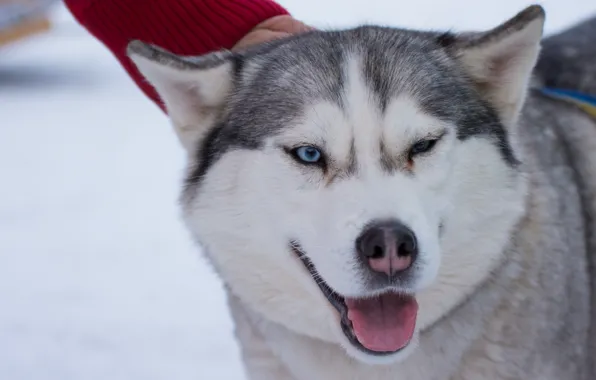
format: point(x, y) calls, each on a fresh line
point(568, 61)
point(562, 168)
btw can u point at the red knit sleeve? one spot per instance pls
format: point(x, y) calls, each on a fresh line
point(190, 27)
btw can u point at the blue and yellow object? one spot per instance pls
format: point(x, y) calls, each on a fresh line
point(585, 102)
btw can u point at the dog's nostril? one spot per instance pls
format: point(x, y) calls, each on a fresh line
point(378, 252)
point(406, 248)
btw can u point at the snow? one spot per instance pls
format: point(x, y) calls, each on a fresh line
point(98, 278)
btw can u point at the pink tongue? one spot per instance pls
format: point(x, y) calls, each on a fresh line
point(385, 323)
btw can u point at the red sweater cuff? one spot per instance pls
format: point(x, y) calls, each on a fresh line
point(189, 27)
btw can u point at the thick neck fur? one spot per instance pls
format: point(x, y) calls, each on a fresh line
point(530, 319)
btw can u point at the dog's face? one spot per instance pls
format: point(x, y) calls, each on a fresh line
point(353, 186)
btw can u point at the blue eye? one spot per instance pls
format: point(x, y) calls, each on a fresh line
point(308, 154)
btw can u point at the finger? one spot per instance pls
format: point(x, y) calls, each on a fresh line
point(284, 23)
point(257, 37)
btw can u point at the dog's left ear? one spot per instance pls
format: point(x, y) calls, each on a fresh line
point(500, 61)
point(193, 89)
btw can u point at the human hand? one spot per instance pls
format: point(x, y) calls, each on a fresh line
point(271, 29)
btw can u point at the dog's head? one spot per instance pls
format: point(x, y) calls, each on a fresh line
point(356, 185)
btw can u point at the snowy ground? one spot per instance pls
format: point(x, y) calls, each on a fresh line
point(98, 279)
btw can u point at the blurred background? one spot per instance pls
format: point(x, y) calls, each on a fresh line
point(98, 278)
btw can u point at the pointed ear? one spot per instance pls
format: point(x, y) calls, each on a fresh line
point(500, 61)
point(193, 89)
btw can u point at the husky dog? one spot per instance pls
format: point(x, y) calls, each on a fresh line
point(391, 204)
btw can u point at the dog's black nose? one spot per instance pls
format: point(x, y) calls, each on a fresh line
point(388, 247)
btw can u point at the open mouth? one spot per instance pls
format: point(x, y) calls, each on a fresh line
point(378, 325)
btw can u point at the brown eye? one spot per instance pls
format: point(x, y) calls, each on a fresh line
point(422, 146)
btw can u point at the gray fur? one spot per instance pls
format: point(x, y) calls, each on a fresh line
point(396, 61)
point(568, 61)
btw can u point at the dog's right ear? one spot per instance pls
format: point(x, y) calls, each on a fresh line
point(193, 89)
